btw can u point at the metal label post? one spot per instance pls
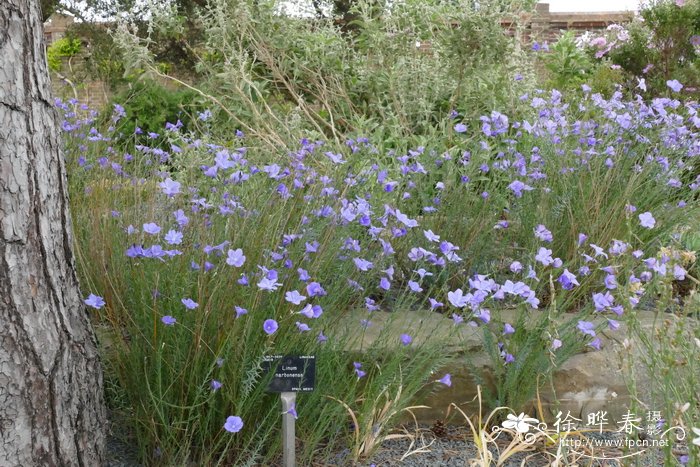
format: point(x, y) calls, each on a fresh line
point(289, 374)
point(288, 439)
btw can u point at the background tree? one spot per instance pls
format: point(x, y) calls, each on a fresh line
point(51, 400)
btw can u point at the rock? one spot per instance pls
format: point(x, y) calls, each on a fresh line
point(586, 383)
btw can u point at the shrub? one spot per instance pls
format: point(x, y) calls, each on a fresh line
point(660, 45)
point(399, 72)
point(148, 106)
point(568, 64)
point(64, 47)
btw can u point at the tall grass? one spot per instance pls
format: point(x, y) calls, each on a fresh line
point(351, 214)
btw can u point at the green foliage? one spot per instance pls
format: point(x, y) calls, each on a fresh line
point(103, 60)
point(149, 106)
point(568, 64)
point(64, 47)
point(606, 78)
point(402, 69)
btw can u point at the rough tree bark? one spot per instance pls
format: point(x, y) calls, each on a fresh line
point(51, 400)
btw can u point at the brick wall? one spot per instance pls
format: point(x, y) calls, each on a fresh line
point(547, 26)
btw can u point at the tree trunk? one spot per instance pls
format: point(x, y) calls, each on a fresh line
point(51, 400)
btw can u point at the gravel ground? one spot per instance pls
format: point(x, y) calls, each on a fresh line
point(422, 449)
point(121, 449)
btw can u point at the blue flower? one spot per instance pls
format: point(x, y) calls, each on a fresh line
point(233, 424)
point(460, 128)
point(95, 301)
point(170, 187)
point(674, 84)
point(647, 220)
point(270, 326)
point(446, 380)
point(168, 320)
point(235, 258)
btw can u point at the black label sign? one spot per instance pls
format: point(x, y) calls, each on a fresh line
point(291, 373)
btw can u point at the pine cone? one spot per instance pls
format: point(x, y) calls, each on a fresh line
point(439, 429)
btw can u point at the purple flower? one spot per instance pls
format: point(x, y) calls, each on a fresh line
point(235, 258)
point(173, 237)
point(269, 284)
point(321, 338)
point(363, 265)
point(303, 274)
point(517, 187)
point(292, 411)
point(358, 371)
point(95, 301)
point(544, 256)
point(679, 272)
point(647, 220)
point(567, 280)
point(170, 187)
point(314, 289)
point(460, 128)
point(431, 236)
point(543, 234)
point(586, 327)
point(457, 298)
point(240, 311)
point(582, 238)
point(508, 329)
point(446, 380)
point(233, 424)
point(294, 297)
point(610, 281)
point(516, 267)
point(595, 343)
point(384, 283)
point(307, 311)
point(406, 339)
point(181, 218)
point(189, 303)
point(603, 301)
point(674, 84)
point(335, 158)
point(302, 327)
point(215, 385)
point(151, 228)
point(556, 343)
point(415, 286)
point(168, 320)
point(270, 326)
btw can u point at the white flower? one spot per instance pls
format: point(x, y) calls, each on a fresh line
point(521, 423)
point(696, 441)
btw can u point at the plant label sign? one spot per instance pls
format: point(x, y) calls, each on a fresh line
point(291, 373)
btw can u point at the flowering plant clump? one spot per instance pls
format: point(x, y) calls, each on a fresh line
point(208, 255)
point(660, 44)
